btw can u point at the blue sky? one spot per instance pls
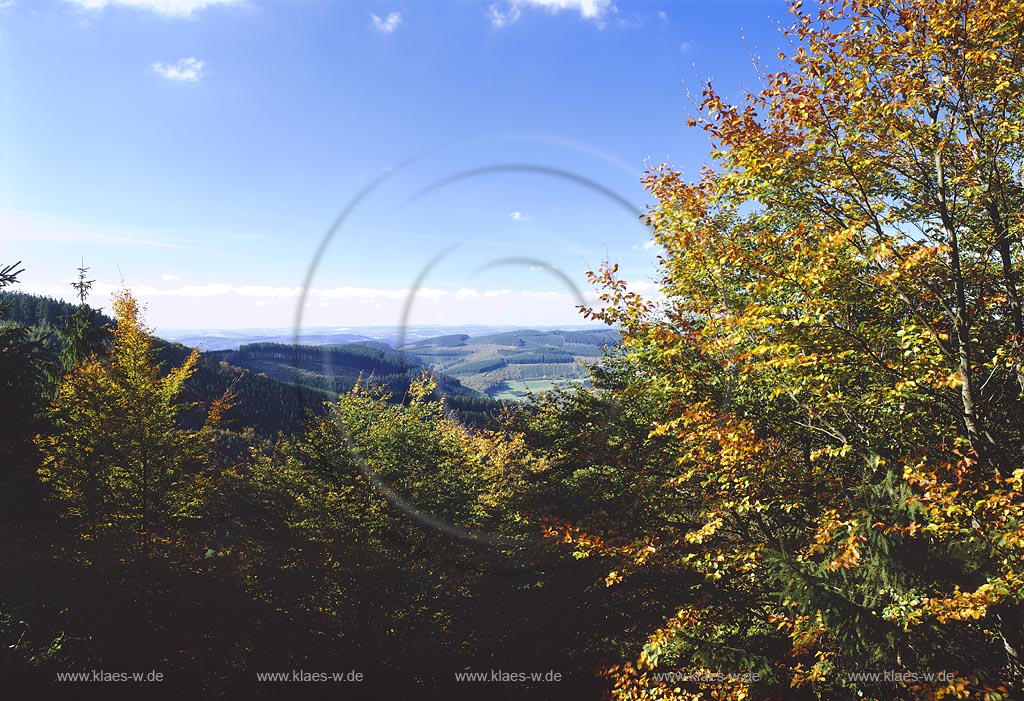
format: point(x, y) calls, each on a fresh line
point(198, 151)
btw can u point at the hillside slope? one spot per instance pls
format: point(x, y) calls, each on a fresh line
point(335, 369)
point(508, 365)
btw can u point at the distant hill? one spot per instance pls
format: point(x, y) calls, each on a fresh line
point(335, 369)
point(394, 336)
point(265, 404)
point(232, 340)
point(507, 365)
point(476, 367)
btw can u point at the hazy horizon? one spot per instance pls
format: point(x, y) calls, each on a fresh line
point(395, 336)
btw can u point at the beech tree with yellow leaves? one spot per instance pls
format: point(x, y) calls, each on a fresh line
point(841, 344)
point(117, 459)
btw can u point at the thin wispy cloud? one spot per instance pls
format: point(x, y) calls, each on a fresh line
point(272, 292)
point(645, 246)
point(167, 8)
point(18, 225)
point(187, 70)
point(387, 24)
point(518, 216)
point(596, 11)
point(500, 17)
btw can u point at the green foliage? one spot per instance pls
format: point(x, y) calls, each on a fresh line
point(36, 310)
point(115, 458)
point(82, 334)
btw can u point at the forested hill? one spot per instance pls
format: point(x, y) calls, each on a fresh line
point(335, 369)
point(265, 404)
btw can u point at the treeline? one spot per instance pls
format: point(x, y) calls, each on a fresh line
point(37, 310)
point(528, 357)
point(598, 337)
point(348, 356)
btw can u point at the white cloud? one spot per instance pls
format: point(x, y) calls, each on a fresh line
point(387, 24)
point(187, 70)
point(167, 8)
point(646, 245)
point(642, 286)
point(594, 10)
point(686, 46)
point(365, 293)
point(499, 18)
point(170, 278)
point(518, 216)
point(588, 9)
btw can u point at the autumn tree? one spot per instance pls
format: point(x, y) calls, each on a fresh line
point(116, 458)
point(841, 348)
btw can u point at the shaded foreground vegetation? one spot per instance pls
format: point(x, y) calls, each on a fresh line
point(210, 554)
point(802, 465)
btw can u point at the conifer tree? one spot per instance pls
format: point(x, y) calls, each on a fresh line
point(81, 334)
